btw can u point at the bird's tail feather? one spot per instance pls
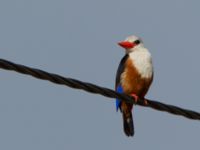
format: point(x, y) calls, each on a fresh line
point(128, 123)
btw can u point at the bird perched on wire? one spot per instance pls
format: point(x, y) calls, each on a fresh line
point(134, 77)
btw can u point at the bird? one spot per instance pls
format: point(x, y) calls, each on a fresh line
point(134, 77)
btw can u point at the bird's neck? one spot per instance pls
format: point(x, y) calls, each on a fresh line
point(141, 59)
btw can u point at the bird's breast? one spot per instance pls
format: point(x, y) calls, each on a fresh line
point(133, 82)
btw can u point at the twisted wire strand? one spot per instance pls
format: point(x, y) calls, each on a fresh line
point(92, 88)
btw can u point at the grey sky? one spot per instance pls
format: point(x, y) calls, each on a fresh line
point(78, 39)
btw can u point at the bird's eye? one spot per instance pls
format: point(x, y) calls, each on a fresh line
point(137, 42)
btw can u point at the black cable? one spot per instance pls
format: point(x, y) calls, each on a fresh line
point(89, 87)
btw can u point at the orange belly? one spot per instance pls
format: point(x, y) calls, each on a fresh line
point(132, 82)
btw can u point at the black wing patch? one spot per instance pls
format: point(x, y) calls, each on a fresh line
point(120, 70)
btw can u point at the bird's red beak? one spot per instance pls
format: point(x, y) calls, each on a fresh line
point(126, 44)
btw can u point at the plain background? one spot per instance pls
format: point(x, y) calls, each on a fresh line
point(78, 39)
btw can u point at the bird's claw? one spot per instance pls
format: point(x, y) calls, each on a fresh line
point(136, 98)
point(145, 102)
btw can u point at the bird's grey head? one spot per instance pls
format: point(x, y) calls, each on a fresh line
point(131, 43)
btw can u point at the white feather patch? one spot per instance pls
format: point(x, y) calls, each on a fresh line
point(142, 60)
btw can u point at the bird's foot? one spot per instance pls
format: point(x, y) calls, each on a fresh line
point(136, 98)
point(145, 102)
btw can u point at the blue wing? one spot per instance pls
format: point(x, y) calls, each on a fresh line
point(118, 87)
point(118, 102)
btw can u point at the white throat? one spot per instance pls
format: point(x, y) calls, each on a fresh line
point(141, 58)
